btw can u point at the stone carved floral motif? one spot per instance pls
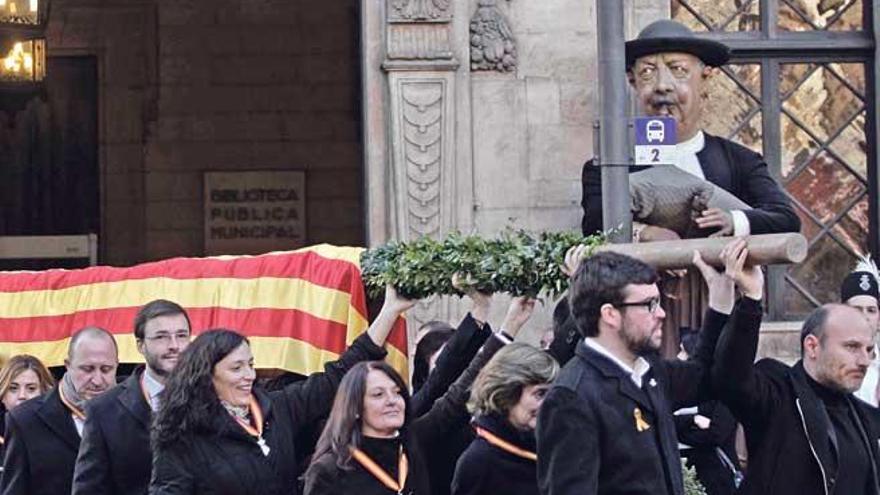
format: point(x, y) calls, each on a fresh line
point(420, 10)
point(422, 140)
point(493, 46)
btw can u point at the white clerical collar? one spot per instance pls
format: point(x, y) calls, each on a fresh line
point(154, 387)
point(693, 145)
point(636, 373)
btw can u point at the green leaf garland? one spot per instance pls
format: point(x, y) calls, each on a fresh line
point(516, 262)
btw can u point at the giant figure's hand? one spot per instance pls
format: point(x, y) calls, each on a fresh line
point(716, 218)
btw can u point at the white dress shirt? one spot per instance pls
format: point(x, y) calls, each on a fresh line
point(636, 372)
point(154, 388)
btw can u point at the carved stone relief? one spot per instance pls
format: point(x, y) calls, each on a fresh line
point(419, 10)
point(419, 42)
point(493, 47)
point(422, 114)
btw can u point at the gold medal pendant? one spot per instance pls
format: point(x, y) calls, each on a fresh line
point(641, 424)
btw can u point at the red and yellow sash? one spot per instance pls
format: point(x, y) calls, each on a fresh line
point(73, 409)
point(255, 427)
point(505, 445)
point(382, 475)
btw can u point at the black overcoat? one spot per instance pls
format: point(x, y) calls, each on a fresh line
point(41, 446)
point(588, 435)
point(485, 469)
point(114, 456)
point(789, 434)
point(227, 461)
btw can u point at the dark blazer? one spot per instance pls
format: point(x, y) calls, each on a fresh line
point(587, 436)
point(447, 414)
point(788, 431)
point(715, 475)
point(41, 446)
point(114, 456)
point(485, 469)
point(227, 461)
point(734, 168)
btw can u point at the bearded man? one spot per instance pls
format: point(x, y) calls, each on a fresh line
point(606, 425)
point(115, 455)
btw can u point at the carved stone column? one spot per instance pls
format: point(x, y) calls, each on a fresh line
point(421, 79)
point(417, 125)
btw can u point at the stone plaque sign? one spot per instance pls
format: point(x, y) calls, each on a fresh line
point(254, 212)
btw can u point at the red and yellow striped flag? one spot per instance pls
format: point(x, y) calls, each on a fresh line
point(299, 309)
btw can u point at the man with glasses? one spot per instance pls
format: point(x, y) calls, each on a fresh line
point(606, 426)
point(114, 456)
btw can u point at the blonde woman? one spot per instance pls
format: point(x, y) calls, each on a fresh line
point(22, 378)
point(505, 400)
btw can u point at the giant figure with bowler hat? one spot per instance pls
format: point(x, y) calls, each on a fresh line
point(669, 68)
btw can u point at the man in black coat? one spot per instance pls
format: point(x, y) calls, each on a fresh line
point(115, 456)
point(43, 434)
point(806, 433)
point(606, 426)
point(668, 68)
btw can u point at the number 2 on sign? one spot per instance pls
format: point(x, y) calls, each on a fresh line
point(655, 155)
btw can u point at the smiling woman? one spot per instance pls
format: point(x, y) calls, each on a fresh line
point(372, 445)
point(215, 433)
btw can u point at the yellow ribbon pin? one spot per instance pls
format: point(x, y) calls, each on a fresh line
point(641, 424)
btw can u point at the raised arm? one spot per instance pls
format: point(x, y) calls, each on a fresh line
point(312, 399)
point(472, 332)
point(450, 410)
point(690, 382)
point(749, 394)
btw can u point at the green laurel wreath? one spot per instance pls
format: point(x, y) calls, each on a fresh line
point(692, 485)
point(516, 262)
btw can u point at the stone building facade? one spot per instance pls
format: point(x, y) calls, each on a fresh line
point(409, 117)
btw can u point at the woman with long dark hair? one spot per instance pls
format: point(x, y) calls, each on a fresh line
point(22, 378)
point(372, 444)
point(505, 399)
point(217, 434)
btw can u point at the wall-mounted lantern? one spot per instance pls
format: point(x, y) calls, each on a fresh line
point(22, 51)
point(22, 62)
point(23, 16)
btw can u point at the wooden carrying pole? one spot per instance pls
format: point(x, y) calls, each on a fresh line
point(765, 249)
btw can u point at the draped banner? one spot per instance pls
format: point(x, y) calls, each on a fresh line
point(299, 309)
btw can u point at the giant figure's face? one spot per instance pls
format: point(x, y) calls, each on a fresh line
point(671, 85)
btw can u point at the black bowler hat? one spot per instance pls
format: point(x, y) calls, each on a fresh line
point(863, 281)
point(671, 36)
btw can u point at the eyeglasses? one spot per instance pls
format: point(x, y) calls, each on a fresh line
point(652, 304)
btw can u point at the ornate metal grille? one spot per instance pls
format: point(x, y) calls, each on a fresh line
point(801, 89)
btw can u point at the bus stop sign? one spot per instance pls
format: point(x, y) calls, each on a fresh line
point(655, 141)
